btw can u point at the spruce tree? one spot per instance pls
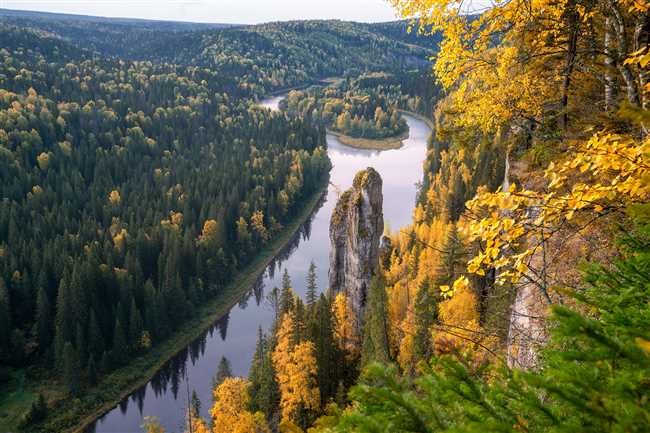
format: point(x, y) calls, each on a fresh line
point(326, 349)
point(96, 344)
point(43, 320)
point(312, 287)
point(71, 370)
point(376, 345)
point(106, 365)
point(286, 295)
point(92, 371)
point(195, 404)
point(223, 372)
point(426, 312)
point(80, 345)
point(64, 315)
point(135, 326)
point(119, 351)
point(5, 319)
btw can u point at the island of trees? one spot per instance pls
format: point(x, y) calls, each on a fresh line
point(138, 180)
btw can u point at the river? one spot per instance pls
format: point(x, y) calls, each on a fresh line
point(235, 335)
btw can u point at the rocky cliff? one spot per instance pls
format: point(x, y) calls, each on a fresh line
point(356, 228)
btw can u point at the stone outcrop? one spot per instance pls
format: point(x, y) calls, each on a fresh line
point(356, 228)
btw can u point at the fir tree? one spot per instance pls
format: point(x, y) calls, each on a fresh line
point(135, 326)
point(426, 312)
point(64, 315)
point(71, 369)
point(43, 320)
point(80, 346)
point(375, 339)
point(286, 295)
point(96, 345)
point(312, 287)
point(92, 371)
point(326, 349)
point(5, 319)
point(195, 404)
point(119, 352)
point(106, 365)
point(223, 371)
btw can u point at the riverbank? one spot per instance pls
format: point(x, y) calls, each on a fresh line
point(76, 415)
point(418, 116)
point(388, 143)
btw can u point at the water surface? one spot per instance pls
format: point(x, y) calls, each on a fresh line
point(234, 336)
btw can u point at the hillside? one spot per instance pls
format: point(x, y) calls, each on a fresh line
point(272, 56)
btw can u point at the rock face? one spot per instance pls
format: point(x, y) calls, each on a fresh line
point(526, 333)
point(356, 228)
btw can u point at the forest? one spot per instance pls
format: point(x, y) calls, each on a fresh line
point(137, 180)
point(139, 177)
point(517, 300)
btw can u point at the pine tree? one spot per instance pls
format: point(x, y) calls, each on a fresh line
point(326, 349)
point(223, 372)
point(77, 298)
point(106, 365)
point(96, 344)
point(43, 320)
point(264, 388)
point(119, 351)
point(286, 295)
point(195, 404)
point(312, 287)
point(5, 319)
point(71, 369)
point(64, 315)
point(375, 343)
point(426, 313)
point(92, 371)
point(453, 258)
point(135, 326)
point(80, 346)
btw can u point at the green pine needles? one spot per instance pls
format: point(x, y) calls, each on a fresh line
point(594, 378)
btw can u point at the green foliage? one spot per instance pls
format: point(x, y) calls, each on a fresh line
point(593, 377)
point(375, 330)
point(223, 372)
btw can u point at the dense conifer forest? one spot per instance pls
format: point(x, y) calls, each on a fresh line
point(138, 175)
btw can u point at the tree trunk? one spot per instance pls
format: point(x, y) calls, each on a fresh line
point(610, 65)
point(642, 39)
point(623, 52)
point(573, 26)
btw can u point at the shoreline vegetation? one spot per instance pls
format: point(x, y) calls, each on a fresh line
point(388, 143)
point(124, 381)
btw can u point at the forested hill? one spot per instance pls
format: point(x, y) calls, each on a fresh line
point(269, 56)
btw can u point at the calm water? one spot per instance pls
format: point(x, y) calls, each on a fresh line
point(235, 335)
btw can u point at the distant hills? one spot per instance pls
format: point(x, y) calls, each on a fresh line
point(372, 46)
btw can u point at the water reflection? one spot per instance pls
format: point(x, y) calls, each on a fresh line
point(234, 335)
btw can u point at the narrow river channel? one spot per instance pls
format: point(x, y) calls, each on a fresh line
point(235, 335)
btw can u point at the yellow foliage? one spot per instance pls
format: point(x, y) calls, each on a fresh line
point(230, 412)
point(612, 172)
point(257, 224)
point(346, 332)
point(459, 318)
point(119, 240)
point(43, 161)
point(174, 222)
point(210, 232)
point(296, 371)
point(114, 197)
